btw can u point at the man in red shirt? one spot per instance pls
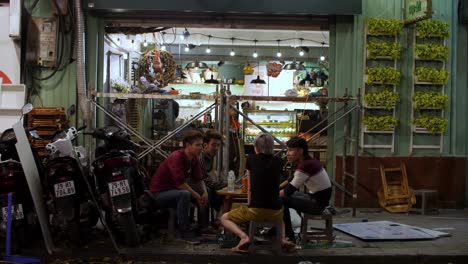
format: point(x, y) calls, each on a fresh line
point(169, 183)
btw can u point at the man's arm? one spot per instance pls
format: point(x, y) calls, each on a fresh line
point(299, 179)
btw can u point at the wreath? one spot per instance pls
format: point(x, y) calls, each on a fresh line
point(157, 65)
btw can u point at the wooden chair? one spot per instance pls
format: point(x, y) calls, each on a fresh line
point(395, 195)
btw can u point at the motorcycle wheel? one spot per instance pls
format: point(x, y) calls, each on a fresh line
point(129, 227)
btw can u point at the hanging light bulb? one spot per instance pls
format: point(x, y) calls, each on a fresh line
point(208, 50)
point(186, 49)
point(232, 53)
point(301, 52)
point(117, 41)
point(255, 54)
point(145, 44)
point(163, 47)
point(322, 57)
point(185, 34)
point(278, 54)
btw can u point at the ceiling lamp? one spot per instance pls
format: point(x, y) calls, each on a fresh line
point(185, 34)
point(196, 64)
point(255, 54)
point(258, 80)
point(294, 66)
point(278, 54)
point(232, 53)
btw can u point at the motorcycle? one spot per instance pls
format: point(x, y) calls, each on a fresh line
point(13, 180)
point(121, 182)
point(69, 197)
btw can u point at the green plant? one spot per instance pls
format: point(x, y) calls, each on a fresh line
point(384, 75)
point(383, 49)
point(432, 52)
point(432, 29)
point(386, 98)
point(433, 124)
point(430, 100)
point(384, 27)
point(380, 123)
point(435, 76)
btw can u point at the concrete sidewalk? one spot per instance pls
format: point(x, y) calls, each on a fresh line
point(453, 249)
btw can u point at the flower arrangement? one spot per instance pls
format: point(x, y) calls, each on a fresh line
point(383, 49)
point(433, 124)
point(432, 29)
point(430, 100)
point(384, 75)
point(120, 85)
point(385, 98)
point(434, 76)
point(432, 52)
point(384, 27)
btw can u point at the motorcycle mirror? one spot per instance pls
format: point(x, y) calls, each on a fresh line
point(27, 108)
point(71, 110)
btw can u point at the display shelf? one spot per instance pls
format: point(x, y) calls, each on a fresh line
point(283, 129)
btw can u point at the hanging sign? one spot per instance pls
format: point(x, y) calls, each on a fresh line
point(416, 10)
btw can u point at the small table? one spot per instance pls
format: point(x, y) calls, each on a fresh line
point(229, 197)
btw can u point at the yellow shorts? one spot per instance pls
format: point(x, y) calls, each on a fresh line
point(245, 214)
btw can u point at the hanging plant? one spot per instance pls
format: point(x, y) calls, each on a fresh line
point(386, 98)
point(432, 52)
point(429, 100)
point(383, 49)
point(434, 76)
point(432, 29)
point(433, 124)
point(384, 27)
point(380, 123)
point(384, 75)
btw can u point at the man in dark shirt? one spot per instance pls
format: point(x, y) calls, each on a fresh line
point(263, 170)
point(169, 183)
point(309, 173)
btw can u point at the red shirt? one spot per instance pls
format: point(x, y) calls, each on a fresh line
point(174, 171)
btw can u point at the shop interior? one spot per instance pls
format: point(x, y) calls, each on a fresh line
point(198, 61)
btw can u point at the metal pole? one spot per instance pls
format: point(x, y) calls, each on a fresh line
point(357, 124)
point(220, 125)
point(345, 136)
point(227, 124)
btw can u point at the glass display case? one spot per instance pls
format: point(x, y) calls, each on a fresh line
point(281, 124)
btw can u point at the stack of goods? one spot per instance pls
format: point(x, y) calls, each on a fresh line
point(47, 120)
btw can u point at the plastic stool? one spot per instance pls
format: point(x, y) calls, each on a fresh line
point(425, 194)
point(317, 233)
point(278, 225)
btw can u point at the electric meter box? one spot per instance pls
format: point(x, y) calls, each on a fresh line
point(42, 42)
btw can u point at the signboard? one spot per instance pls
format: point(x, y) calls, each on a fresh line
point(416, 10)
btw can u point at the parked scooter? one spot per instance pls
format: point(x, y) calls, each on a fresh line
point(13, 180)
point(69, 198)
point(121, 181)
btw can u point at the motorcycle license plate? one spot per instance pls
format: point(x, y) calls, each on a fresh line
point(16, 212)
point(119, 188)
point(64, 189)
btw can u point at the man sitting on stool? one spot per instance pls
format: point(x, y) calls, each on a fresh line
point(169, 183)
point(310, 173)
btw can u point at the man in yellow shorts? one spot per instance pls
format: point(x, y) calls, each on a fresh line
point(263, 171)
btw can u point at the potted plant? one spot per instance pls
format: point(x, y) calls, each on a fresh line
point(385, 98)
point(423, 100)
point(432, 29)
point(384, 27)
point(377, 49)
point(380, 123)
point(431, 52)
point(384, 75)
point(433, 124)
point(434, 76)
